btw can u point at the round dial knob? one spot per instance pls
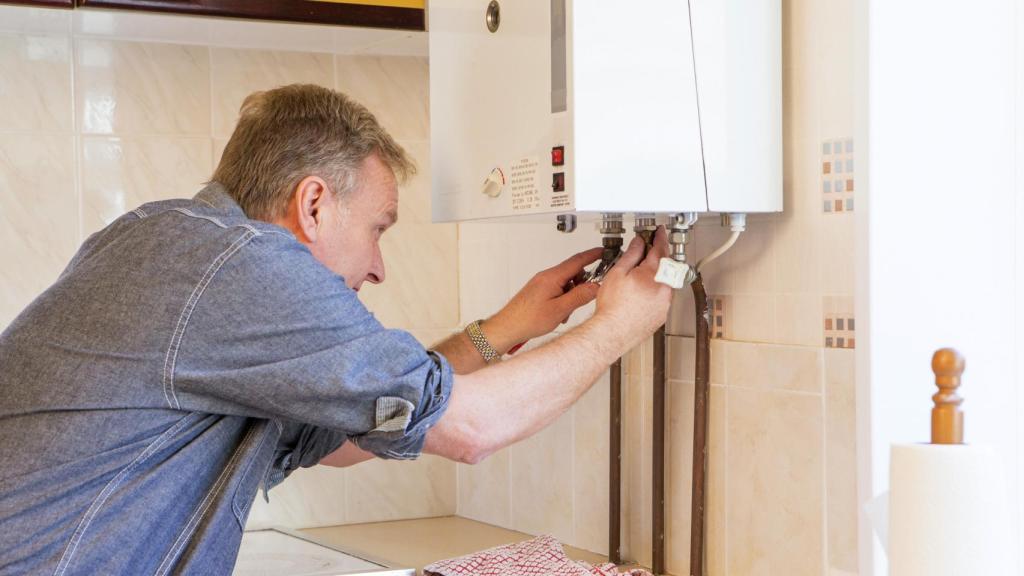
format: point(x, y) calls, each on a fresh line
point(494, 183)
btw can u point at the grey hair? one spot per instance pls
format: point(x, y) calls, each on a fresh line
point(289, 133)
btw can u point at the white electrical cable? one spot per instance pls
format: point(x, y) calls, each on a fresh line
point(737, 223)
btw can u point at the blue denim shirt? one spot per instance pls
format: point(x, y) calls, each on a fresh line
point(187, 356)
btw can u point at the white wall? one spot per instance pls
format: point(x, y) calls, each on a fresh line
point(940, 235)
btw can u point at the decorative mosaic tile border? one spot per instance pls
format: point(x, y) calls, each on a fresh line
point(840, 324)
point(719, 316)
point(837, 175)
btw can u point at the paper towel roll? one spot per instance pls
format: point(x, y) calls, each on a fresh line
point(947, 511)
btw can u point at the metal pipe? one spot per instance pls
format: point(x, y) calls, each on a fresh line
point(701, 390)
point(658, 459)
point(612, 230)
point(615, 466)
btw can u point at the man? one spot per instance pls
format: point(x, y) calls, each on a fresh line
point(196, 350)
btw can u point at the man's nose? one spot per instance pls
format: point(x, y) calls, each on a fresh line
point(376, 275)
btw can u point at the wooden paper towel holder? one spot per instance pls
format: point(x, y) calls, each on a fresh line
point(947, 419)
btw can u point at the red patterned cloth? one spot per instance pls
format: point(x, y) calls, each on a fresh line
point(542, 556)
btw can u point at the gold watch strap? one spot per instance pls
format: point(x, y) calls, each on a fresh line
point(476, 336)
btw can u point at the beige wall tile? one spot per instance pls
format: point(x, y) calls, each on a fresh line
point(636, 474)
point(421, 286)
point(680, 477)
point(119, 174)
point(798, 319)
point(414, 195)
point(775, 487)
point(483, 270)
point(835, 73)
point(841, 459)
point(395, 88)
point(803, 195)
point(541, 481)
point(801, 57)
point(236, 73)
point(773, 367)
point(141, 88)
point(484, 492)
point(25, 20)
point(38, 216)
point(143, 26)
point(752, 317)
point(309, 497)
point(717, 516)
point(837, 254)
point(591, 453)
point(35, 83)
point(380, 490)
point(681, 354)
point(718, 361)
point(797, 262)
point(681, 317)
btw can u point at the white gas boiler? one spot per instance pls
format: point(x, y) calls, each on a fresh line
point(552, 107)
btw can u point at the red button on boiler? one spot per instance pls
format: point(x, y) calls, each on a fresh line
point(558, 156)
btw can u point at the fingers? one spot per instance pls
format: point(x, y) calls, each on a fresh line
point(579, 296)
point(629, 259)
point(659, 249)
point(571, 266)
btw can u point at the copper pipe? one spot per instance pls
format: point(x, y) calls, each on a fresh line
point(658, 459)
point(615, 465)
point(701, 391)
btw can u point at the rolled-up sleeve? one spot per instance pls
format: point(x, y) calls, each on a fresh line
point(401, 427)
point(274, 334)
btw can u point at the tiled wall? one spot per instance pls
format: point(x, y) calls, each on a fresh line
point(101, 111)
point(782, 488)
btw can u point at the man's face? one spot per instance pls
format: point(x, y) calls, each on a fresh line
point(348, 241)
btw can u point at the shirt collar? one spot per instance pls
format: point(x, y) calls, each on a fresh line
point(214, 194)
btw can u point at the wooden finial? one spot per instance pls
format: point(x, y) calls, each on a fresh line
point(947, 419)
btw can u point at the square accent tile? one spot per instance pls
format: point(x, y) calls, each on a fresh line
point(839, 322)
point(719, 316)
point(837, 175)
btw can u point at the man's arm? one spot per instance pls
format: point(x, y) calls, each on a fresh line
point(502, 404)
point(536, 310)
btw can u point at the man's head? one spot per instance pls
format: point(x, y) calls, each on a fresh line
point(317, 163)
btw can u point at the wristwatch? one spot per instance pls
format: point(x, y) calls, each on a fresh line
point(476, 336)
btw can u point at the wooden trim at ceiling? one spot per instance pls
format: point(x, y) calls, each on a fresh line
point(419, 4)
point(315, 12)
point(46, 3)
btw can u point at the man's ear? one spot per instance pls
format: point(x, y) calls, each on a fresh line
point(308, 201)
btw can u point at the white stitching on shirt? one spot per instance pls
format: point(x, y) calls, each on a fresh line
point(216, 221)
point(193, 522)
point(111, 486)
point(186, 314)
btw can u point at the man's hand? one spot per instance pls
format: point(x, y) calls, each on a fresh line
point(631, 303)
point(541, 305)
